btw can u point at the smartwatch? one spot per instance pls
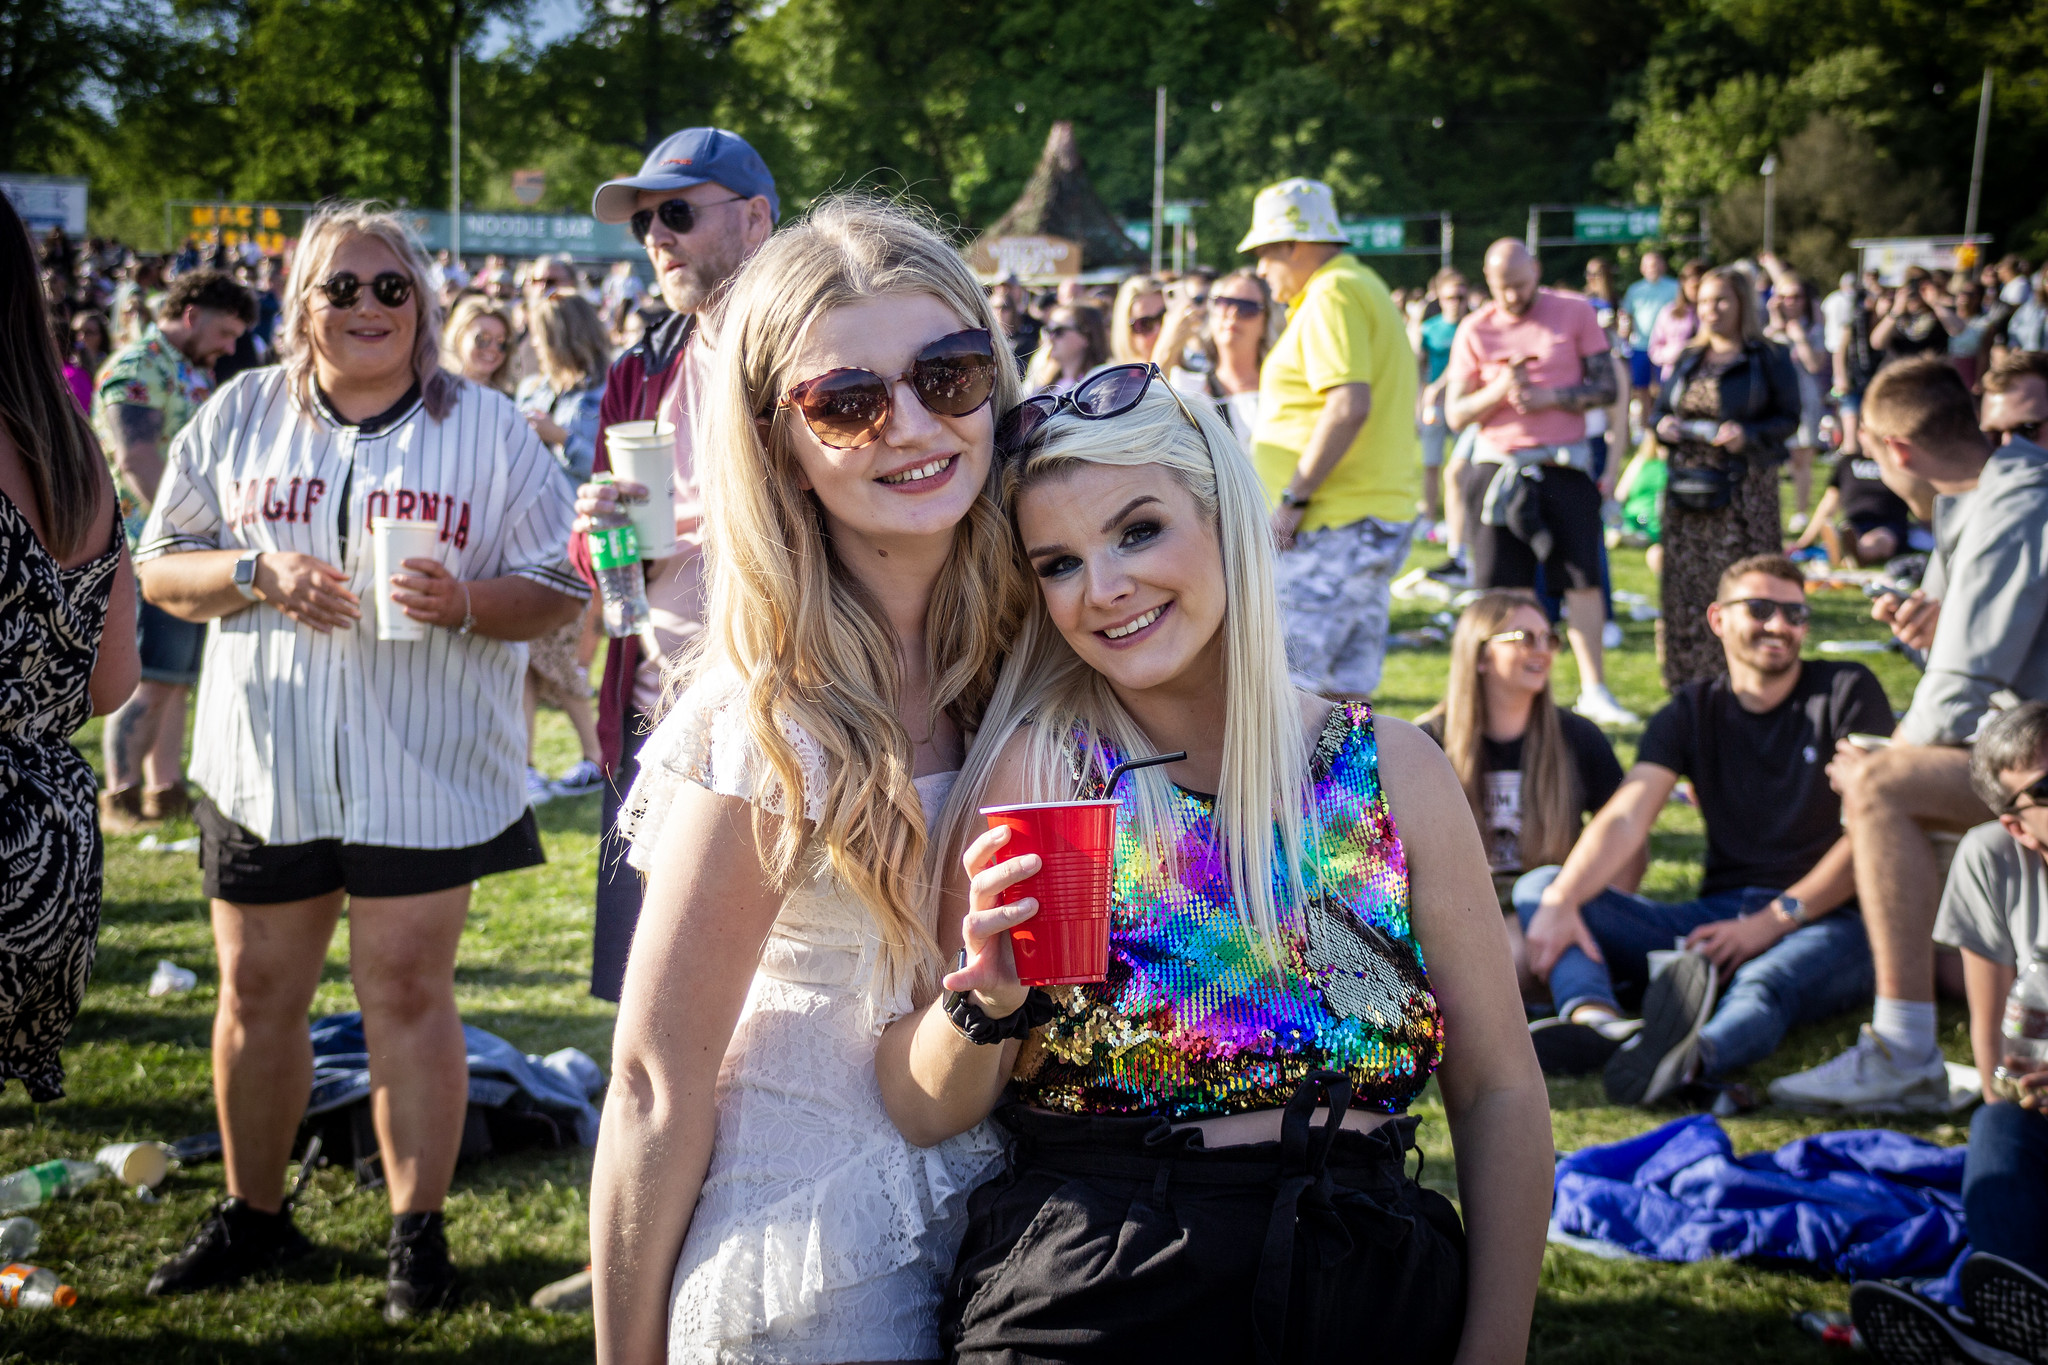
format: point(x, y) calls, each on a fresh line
point(1290, 498)
point(1793, 909)
point(245, 574)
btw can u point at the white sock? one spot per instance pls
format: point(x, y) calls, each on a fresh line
point(1907, 1027)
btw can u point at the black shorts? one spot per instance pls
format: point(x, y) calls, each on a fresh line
point(1862, 525)
point(237, 866)
point(1118, 1239)
point(1570, 504)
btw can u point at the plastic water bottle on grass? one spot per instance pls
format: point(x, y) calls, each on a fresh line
point(43, 1182)
point(2024, 1047)
point(28, 1286)
point(18, 1239)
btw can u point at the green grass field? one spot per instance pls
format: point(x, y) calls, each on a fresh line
point(139, 1069)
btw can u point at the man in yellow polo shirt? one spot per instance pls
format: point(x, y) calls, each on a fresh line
point(1336, 442)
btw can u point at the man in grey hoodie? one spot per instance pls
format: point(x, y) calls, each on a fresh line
point(1989, 645)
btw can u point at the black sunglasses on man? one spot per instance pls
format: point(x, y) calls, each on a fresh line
point(677, 215)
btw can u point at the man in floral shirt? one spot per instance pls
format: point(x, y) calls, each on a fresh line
point(146, 393)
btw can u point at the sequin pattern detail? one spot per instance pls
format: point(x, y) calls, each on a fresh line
point(1194, 1023)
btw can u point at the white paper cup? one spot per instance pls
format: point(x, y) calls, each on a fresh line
point(645, 452)
point(136, 1164)
point(393, 542)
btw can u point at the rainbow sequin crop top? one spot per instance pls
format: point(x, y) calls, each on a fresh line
point(1193, 1022)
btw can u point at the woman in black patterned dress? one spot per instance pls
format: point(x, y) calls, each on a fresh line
point(1731, 401)
point(66, 589)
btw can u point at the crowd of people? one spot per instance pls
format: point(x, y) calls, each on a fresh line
point(945, 544)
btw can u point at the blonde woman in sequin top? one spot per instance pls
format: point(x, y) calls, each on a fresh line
point(1209, 1145)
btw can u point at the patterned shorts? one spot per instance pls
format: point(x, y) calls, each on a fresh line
point(1335, 598)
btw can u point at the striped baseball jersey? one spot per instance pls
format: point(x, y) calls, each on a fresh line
point(302, 735)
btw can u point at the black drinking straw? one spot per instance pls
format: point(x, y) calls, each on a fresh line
point(1116, 774)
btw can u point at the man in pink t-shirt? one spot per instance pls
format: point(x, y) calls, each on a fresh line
point(1526, 369)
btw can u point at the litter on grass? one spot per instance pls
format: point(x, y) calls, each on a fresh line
point(171, 979)
point(151, 844)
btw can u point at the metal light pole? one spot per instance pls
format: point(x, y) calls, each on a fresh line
point(1769, 171)
point(1158, 177)
point(1977, 161)
point(455, 150)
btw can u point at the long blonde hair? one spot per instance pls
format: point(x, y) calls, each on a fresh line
point(1083, 319)
point(805, 639)
point(326, 230)
point(569, 341)
point(468, 311)
point(1749, 321)
point(1550, 781)
point(1047, 689)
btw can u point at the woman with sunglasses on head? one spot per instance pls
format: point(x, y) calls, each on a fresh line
point(1135, 318)
point(1242, 324)
point(1209, 1145)
point(341, 768)
point(476, 343)
point(750, 1199)
point(1075, 342)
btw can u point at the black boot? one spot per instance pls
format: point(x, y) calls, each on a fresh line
point(422, 1279)
point(232, 1242)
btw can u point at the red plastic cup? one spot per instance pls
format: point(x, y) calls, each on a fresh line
point(1067, 942)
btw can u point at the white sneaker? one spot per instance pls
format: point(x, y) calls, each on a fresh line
point(1797, 524)
point(583, 779)
point(539, 791)
point(1610, 635)
point(1598, 705)
point(1868, 1078)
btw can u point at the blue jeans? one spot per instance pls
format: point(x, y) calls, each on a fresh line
point(2005, 1185)
point(1811, 973)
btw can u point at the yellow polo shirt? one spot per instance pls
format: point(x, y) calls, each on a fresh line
point(1344, 329)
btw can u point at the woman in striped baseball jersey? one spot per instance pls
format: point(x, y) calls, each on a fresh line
point(751, 1200)
point(338, 767)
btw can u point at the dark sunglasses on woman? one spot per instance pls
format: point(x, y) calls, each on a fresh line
point(1148, 323)
point(677, 215)
point(1110, 392)
point(389, 287)
point(1244, 308)
point(849, 408)
point(1762, 609)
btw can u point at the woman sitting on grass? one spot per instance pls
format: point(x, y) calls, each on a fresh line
point(1268, 943)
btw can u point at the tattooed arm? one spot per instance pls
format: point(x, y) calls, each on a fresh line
point(138, 448)
point(1597, 387)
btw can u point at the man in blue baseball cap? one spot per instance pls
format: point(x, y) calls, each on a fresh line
point(702, 203)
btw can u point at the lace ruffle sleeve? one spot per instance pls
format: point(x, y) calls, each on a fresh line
point(704, 740)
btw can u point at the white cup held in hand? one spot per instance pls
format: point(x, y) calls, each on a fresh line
point(645, 453)
point(393, 542)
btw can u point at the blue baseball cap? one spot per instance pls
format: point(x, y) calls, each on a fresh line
point(695, 156)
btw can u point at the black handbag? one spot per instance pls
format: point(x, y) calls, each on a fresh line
point(1703, 488)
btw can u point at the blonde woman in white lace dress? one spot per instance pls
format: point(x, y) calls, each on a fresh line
point(751, 1200)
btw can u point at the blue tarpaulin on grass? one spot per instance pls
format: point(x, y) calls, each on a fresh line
point(1866, 1204)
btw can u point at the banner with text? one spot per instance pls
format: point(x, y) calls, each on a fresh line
point(529, 234)
point(1381, 236)
point(1616, 225)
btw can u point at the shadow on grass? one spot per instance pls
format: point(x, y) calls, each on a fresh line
point(1670, 1328)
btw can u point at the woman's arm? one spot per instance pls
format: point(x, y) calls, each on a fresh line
point(198, 585)
point(510, 607)
point(1779, 417)
point(1493, 1092)
point(118, 665)
point(707, 912)
point(935, 1083)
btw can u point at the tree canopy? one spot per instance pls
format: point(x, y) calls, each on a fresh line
point(1480, 107)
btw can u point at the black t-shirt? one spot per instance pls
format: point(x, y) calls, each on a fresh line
point(1916, 334)
point(1762, 780)
point(1599, 774)
point(1861, 494)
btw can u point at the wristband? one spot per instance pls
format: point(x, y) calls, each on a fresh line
point(468, 616)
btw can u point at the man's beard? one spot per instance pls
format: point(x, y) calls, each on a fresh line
point(702, 278)
point(1752, 656)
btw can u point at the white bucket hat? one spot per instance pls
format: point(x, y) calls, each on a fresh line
point(1295, 210)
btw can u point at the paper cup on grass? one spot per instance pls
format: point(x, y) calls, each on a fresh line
point(393, 542)
point(138, 1165)
point(1067, 942)
point(645, 453)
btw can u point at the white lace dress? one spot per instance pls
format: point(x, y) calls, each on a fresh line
point(820, 1235)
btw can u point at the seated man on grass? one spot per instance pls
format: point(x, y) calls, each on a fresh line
point(1990, 637)
point(1995, 909)
point(1775, 906)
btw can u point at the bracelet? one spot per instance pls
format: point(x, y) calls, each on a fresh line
point(468, 616)
point(971, 1023)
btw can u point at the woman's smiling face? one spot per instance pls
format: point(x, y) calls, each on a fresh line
point(1131, 571)
point(369, 341)
point(923, 473)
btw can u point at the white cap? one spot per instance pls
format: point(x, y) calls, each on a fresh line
point(1295, 210)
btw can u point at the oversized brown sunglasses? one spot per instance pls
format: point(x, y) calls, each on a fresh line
point(848, 408)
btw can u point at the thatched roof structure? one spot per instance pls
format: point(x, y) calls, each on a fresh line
point(1059, 201)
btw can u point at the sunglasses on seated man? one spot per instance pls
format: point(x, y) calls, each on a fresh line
point(1762, 609)
point(677, 215)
